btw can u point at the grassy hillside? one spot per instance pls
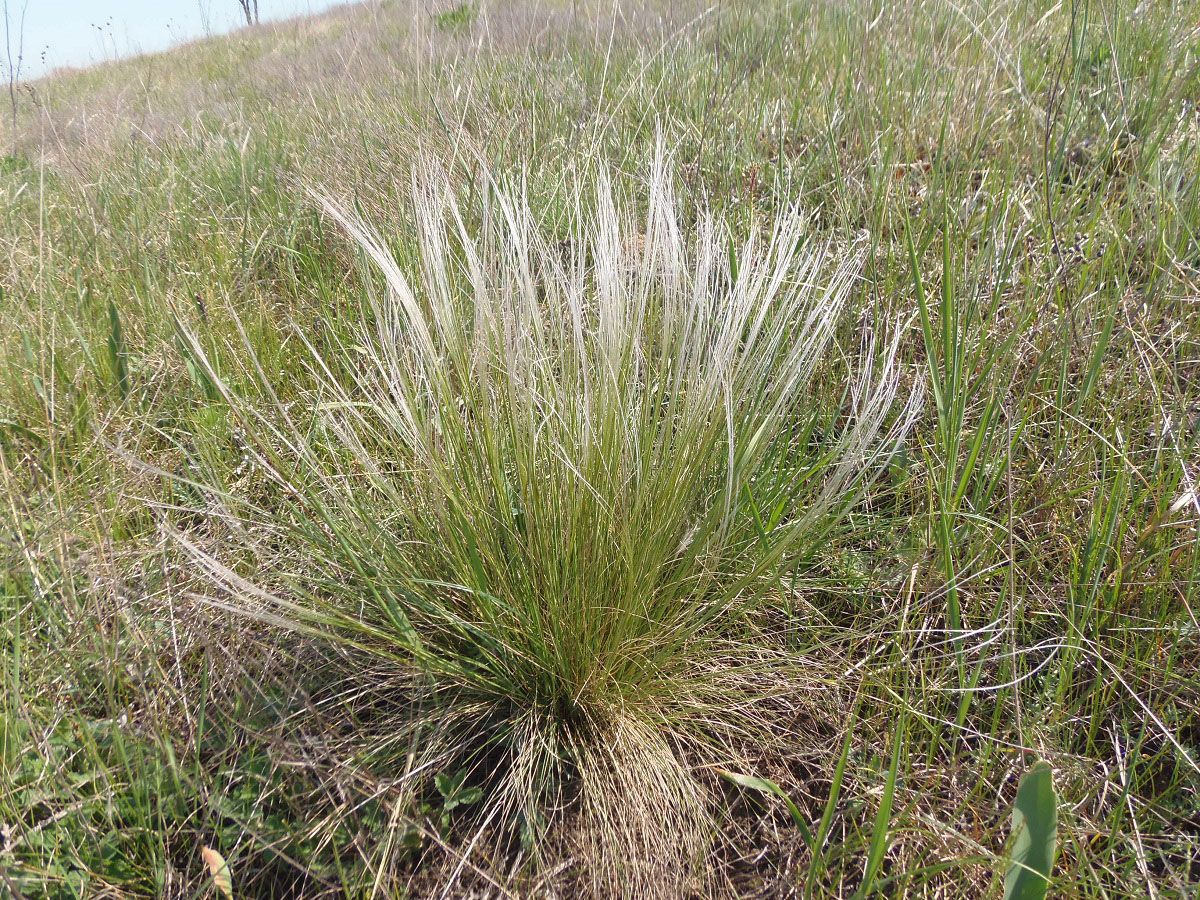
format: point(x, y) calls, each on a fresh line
point(544, 605)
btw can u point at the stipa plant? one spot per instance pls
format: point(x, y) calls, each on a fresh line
point(550, 493)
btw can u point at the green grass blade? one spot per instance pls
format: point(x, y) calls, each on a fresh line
point(117, 352)
point(767, 786)
point(883, 819)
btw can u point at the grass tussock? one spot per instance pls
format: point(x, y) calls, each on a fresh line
point(552, 487)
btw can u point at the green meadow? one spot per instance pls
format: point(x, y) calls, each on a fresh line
point(564, 448)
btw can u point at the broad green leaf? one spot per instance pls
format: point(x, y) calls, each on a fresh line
point(1034, 835)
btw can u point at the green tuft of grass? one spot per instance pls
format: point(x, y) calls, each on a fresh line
point(456, 18)
point(554, 489)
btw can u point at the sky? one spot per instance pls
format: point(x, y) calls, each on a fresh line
point(80, 32)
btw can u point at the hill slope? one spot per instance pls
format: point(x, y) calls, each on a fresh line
point(1019, 581)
